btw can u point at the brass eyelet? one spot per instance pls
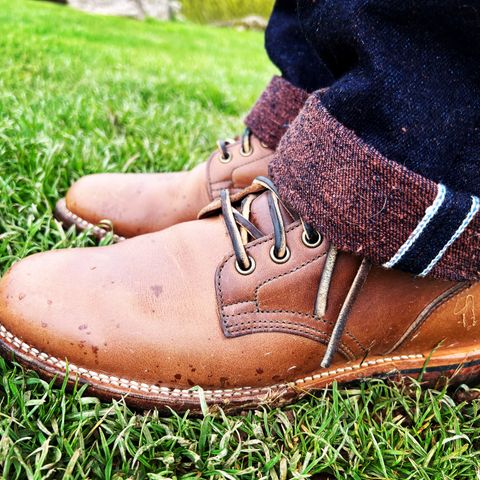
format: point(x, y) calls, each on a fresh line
point(264, 145)
point(284, 259)
point(249, 270)
point(310, 244)
point(243, 153)
point(226, 159)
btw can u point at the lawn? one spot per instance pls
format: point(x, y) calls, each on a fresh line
point(82, 94)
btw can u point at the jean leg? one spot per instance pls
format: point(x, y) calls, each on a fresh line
point(289, 50)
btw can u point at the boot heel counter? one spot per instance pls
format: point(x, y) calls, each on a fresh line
point(452, 322)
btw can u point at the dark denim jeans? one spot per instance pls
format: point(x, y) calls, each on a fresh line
point(386, 161)
point(404, 75)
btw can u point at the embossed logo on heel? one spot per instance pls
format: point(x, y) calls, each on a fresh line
point(467, 311)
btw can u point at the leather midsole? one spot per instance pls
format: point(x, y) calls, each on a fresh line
point(66, 216)
point(412, 364)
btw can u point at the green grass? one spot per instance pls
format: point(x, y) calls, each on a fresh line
point(205, 11)
point(82, 94)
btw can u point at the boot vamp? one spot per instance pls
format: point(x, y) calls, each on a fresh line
point(145, 310)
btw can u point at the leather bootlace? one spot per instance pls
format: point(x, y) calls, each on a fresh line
point(241, 231)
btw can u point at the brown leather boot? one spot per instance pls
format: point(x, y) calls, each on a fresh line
point(137, 203)
point(280, 315)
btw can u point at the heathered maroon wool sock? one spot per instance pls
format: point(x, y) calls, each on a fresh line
point(276, 108)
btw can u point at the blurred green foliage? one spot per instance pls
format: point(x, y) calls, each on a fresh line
point(206, 11)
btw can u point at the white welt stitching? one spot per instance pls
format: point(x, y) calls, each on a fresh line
point(176, 392)
point(79, 221)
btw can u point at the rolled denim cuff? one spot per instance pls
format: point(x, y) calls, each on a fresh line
point(369, 205)
point(273, 112)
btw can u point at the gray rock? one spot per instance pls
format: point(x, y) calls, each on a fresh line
point(251, 22)
point(159, 9)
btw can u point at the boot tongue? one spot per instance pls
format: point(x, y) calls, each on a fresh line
point(260, 214)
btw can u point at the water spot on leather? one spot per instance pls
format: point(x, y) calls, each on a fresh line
point(44, 324)
point(259, 370)
point(190, 382)
point(276, 378)
point(93, 268)
point(159, 382)
point(178, 376)
point(83, 326)
point(193, 370)
point(156, 289)
point(49, 302)
point(223, 381)
point(21, 296)
point(94, 349)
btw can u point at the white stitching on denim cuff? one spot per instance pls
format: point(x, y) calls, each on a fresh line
point(472, 212)
point(430, 212)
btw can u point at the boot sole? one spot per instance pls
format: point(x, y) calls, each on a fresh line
point(68, 218)
point(459, 366)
